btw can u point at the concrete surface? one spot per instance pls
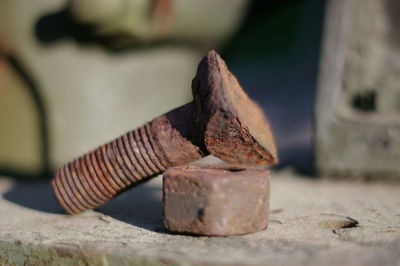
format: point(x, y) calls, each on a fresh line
point(312, 222)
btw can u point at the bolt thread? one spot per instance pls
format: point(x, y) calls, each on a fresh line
point(94, 178)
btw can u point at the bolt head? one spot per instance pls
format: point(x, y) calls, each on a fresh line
point(235, 128)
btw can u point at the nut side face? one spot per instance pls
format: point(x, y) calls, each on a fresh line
point(216, 200)
point(236, 129)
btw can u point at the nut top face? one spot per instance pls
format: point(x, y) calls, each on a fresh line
point(236, 129)
point(216, 200)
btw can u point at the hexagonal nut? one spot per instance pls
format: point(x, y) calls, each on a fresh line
point(216, 200)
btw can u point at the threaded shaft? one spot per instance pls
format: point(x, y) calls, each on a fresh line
point(97, 176)
point(94, 178)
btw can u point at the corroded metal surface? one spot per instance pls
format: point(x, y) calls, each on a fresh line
point(216, 200)
point(98, 176)
point(236, 129)
point(222, 121)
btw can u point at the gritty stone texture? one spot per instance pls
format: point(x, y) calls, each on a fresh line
point(216, 199)
point(358, 130)
point(312, 222)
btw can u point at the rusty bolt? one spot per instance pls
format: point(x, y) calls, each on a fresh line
point(222, 121)
point(216, 200)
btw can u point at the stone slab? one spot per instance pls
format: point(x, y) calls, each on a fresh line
point(313, 222)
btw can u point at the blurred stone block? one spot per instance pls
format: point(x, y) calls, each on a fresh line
point(88, 93)
point(216, 200)
point(138, 21)
point(20, 132)
point(358, 102)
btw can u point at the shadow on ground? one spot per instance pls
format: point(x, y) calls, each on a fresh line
point(36, 195)
point(140, 206)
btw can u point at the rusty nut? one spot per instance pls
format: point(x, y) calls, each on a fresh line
point(216, 200)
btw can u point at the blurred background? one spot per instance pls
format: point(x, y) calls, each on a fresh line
point(75, 74)
point(275, 56)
